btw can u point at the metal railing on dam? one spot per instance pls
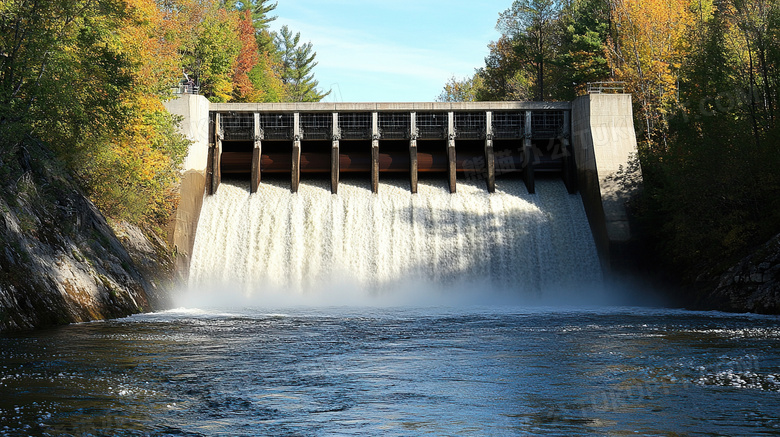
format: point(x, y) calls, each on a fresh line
point(478, 140)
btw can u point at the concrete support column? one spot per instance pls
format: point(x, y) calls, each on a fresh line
point(374, 152)
point(257, 153)
point(528, 166)
point(210, 170)
point(215, 154)
point(334, 155)
point(569, 170)
point(451, 156)
point(413, 152)
point(490, 160)
point(296, 153)
point(528, 155)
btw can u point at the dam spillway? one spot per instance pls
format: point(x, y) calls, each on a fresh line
point(471, 241)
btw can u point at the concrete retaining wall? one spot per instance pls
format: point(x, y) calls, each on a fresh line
point(608, 174)
point(195, 126)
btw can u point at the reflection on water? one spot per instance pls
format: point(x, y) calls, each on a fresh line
point(400, 371)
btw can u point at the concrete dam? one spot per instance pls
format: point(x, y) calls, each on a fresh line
point(586, 146)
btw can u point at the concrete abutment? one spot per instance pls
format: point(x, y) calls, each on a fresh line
point(194, 125)
point(608, 174)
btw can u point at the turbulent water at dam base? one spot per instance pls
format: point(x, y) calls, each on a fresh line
point(396, 314)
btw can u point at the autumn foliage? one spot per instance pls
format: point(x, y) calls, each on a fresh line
point(247, 59)
point(89, 78)
point(648, 48)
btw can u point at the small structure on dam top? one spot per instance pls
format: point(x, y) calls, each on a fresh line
point(586, 142)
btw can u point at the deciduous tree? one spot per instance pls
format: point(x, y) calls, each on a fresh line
point(532, 27)
point(216, 52)
point(647, 52)
point(461, 90)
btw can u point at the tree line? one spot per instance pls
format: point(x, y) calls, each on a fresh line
point(87, 78)
point(705, 80)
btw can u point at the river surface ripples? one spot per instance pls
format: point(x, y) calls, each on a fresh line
point(398, 371)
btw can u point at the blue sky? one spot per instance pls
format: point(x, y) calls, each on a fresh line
point(392, 50)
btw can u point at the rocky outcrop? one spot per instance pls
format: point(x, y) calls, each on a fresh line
point(60, 261)
point(752, 285)
point(153, 258)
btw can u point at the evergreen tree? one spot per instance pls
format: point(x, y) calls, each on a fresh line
point(585, 26)
point(297, 67)
point(260, 11)
point(261, 20)
point(532, 27)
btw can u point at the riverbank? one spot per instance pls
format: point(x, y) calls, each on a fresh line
point(751, 285)
point(61, 261)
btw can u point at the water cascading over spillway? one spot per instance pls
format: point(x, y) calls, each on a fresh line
point(299, 242)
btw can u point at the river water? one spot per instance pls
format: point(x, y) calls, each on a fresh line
point(314, 314)
point(309, 371)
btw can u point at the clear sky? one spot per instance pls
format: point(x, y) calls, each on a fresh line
point(392, 50)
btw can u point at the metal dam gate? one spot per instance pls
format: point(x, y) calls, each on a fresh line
point(477, 141)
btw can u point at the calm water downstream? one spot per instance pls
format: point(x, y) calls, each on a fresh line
point(396, 371)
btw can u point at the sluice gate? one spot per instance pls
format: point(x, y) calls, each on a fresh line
point(473, 141)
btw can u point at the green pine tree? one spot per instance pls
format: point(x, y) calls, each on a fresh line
point(297, 67)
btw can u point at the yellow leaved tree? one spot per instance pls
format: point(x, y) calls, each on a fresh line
point(647, 52)
point(133, 174)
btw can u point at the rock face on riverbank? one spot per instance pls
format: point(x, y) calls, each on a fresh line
point(752, 285)
point(60, 261)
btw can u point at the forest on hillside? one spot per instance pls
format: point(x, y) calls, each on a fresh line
point(87, 78)
point(705, 77)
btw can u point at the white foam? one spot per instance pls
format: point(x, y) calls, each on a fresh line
point(393, 246)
